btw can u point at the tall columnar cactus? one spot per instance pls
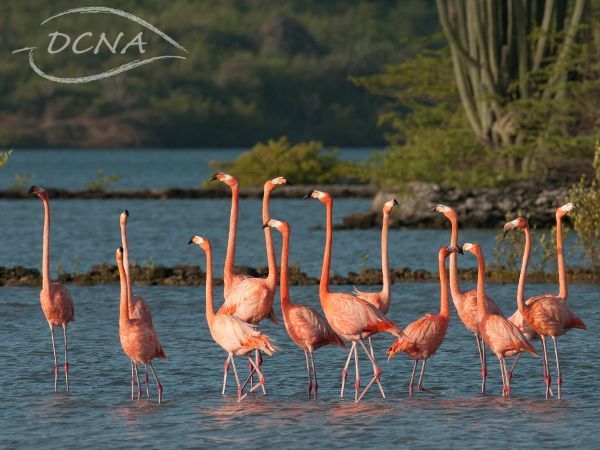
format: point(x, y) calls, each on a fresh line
point(503, 50)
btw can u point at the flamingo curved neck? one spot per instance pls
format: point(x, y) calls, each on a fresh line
point(444, 300)
point(230, 257)
point(523, 274)
point(481, 303)
point(284, 288)
point(210, 309)
point(126, 262)
point(562, 276)
point(324, 283)
point(386, 288)
point(46, 247)
point(271, 261)
point(123, 306)
point(454, 284)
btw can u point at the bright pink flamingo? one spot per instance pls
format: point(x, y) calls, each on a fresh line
point(466, 302)
point(138, 308)
point(305, 326)
point(249, 298)
point(56, 301)
point(139, 339)
point(517, 318)
point(426, 334)
point(503, 338)
point(381, 300)
point(235, 336)
point(350, 317)
point(547, 314)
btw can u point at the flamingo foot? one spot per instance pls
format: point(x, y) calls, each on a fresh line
point(421, 388)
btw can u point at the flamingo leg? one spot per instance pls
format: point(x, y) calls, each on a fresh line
point(546, 369)
point(225, 372)
point(314, 369)
point(261, 379)
point(137, 375)
point(132, 382)
point(373, 356)
point(259, 361)
point(147, 388)
point(357, 379)
point(55, 361)
point(237, 380)
point(558, 372)
point(481, 361)
point(503, 376)
point(512, 368)
point(345, 370)
point(420, 385)
point(308, 373)
point(160, 388)
point(376, 373)
point(66, 357)
point(412, 378)
point(484, 371)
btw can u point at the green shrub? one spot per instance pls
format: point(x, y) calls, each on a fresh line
point(102, 181)
point(4, 157)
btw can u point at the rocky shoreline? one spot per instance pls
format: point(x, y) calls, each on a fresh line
point(185, 275)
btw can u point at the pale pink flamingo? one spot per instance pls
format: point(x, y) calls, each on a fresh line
point(517, 318)
point(350, 317)
point(236, 337)
point(138, 308)
point(425, 335)
point(546, 314)
point(503, 338)
point(381, 300)
point(56, 301)
point(305, 326)
point(139, 339)
point(466, 302)
point(246, 297)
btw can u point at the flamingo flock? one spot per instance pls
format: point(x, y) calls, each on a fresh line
point(347, 319)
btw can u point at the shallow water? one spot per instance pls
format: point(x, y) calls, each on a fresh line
point(99, 413)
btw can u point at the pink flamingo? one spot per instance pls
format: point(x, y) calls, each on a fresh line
point(305, 326)
point(381, 300)
point(546, 314)
point(503, 338)
point(249, 298)
point(139, 339)
point(350, 317)
point(517, 318)
point(56, 301)
point(466, 302)
point(138, 308)
point(235, 336)
point(426, 334)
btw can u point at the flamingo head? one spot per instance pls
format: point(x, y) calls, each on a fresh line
point(123, 217)
point(276, 182)
point(319, 195)
point(468, 247)
point(41, 192)
point(519, 223)
point(445, 210)
point(203, 243)
point(229, 180)
point(279, 225)
point(565, 209)
point(447, 250)
point(389, 205)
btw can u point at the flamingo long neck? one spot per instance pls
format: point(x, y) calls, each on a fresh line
point(562, 275)
point(324, 283)
point(284, 288)
point(523, 274)
point(271, 261)
point(46, 247)
point(385, 291)
point(123, 308)
point(210, 309)
point(481, 303)
point(454, 286)
point(444, 300)
point(230, 258)
point(126, 262)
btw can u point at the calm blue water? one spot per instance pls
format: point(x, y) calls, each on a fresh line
point(99, 413)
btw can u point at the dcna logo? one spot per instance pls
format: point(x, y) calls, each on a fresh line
point(97, 48)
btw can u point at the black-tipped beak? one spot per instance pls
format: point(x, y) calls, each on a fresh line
point(396, 203)
point(32, 190)
point(431, 209)
point(120, 249)
point(460, 250)
point(309, 195)
point(126, 213)
point(265, 225)
point(213, 178)
point(504, 234)
point(191, 241)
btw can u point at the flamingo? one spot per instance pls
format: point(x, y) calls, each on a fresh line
point(350, 317)
point(381, 300)
point(427, 333)
point(305, 326)
point(249, 298)
point(503, 338)
point(517, 318)
point(138, 308)
point(235, 336)
point(466, 302)
point(139, 339)
point(547, 314)
point(55, 299)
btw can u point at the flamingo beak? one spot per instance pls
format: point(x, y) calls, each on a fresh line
point(265, 225)
point(126, 213)
point(309, 195)
point(191, 241)
point(213, 178)
point(396, 203)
